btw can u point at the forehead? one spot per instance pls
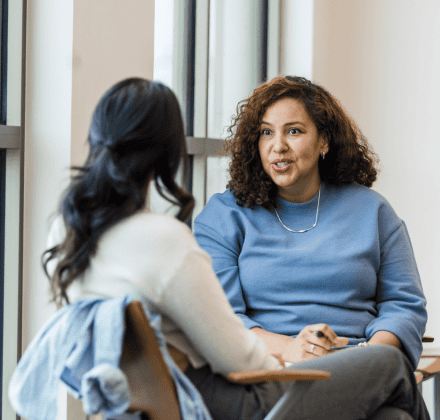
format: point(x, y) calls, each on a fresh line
point(286, 110)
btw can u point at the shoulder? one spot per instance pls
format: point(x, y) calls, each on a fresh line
point(222, 201)
point(225, 224)
point(158, 222)
point(355, 191)
point(219, 207)
point(139, 227)
point(359, 196)
point(223, 218)
point(57, 232)
point(153, 231)
point(223, 208)
point(367, 206)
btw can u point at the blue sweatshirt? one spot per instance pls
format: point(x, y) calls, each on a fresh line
point(355, 271)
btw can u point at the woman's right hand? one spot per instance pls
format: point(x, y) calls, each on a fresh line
point(291, 350)
point(313, 341)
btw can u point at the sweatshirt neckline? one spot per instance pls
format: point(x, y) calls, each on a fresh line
point(282, 203)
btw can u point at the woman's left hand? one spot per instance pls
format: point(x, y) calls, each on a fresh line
point(386, 338)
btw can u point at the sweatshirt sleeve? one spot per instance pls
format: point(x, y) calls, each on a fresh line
point(218, 233)
point(400, 300)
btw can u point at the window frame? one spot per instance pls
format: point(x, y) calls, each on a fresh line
point(12, 142)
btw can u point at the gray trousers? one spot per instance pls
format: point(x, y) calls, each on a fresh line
point(375, 382)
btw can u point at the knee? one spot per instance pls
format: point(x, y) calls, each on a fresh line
point(387, 353)
point(391, 413)
point(390, 358)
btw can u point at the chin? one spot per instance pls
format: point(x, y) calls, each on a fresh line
point(284, 184)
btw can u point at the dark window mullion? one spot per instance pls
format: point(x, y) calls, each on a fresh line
point(189, 64)
point(188, 84)
point(3, 59)
point(263, 39)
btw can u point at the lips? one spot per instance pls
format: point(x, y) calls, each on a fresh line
point(280, 164)
point(281, 168)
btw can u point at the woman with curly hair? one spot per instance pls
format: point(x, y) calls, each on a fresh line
point(305, 251)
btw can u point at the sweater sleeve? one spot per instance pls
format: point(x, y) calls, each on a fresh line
point(196, 302)
point(221, 240)
point(400, 300)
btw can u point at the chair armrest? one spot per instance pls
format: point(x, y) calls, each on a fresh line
point(256, 376)
point(429, 365)
point(419, 377)
point(427, 339)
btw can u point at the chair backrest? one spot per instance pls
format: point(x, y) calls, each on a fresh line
point(151, 385)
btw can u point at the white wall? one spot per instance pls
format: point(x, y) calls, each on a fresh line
point(381, 59)
point(47, 144)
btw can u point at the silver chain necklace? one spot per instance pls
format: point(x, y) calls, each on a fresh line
point(304, 230)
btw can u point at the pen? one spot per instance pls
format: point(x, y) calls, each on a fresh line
point(319, 334)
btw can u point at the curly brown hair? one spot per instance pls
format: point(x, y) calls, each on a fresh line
point(350, 158)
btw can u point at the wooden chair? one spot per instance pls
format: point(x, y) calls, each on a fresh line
point(151, 385)
point(429, 368)
point(429, 364)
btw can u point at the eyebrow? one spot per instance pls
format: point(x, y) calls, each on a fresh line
point(285, 125)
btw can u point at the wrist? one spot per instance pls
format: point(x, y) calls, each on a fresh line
point(385, 338)
point(288, 348)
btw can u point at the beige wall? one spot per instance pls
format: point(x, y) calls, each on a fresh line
point(112, 40)
point(382, 60)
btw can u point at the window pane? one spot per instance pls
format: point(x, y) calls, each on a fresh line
point(168, 33)
point(235, 70)
point(234, 59)
point(163, 41)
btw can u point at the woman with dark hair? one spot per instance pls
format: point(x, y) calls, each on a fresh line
point(304, 250)
point(106, 243)
point(136, 136)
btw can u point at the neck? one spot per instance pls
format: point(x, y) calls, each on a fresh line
point(300, 193)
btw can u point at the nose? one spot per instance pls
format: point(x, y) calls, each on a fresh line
point(280, 143)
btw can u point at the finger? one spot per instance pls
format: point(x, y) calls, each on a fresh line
point(337, 342)
point(318, 337)
point(317, 350)
point(323, 342)
point(340, 342)
point(326, 335)
point(326, 342)
point(318, 334)
point(325, 330)
point(312, 345)
point(330, 334)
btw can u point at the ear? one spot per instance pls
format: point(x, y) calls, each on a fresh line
point(324, 145)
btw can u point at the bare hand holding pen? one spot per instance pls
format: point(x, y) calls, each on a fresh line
point(313, 341)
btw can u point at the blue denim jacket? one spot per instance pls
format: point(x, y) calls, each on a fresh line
point(81, 345)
